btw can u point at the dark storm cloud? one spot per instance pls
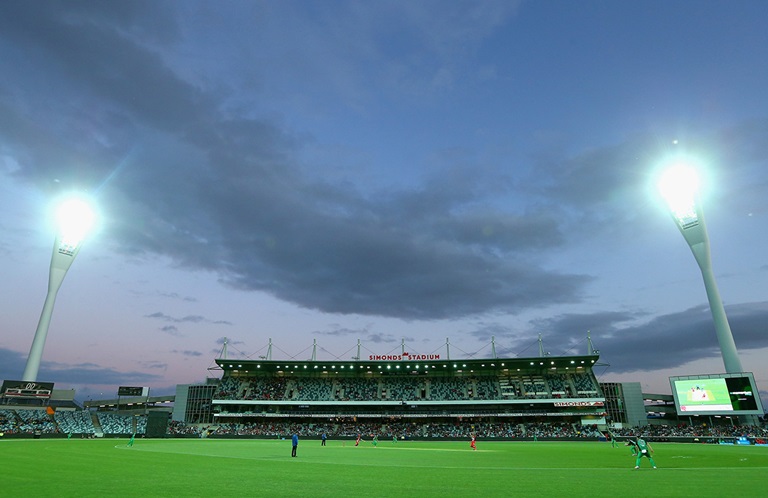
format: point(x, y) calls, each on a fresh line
point(664, 342)
point(215, 190)
point(222, 192)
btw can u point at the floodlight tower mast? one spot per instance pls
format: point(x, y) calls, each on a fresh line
point(75, 218)
point(358, 350)
point(679, 186)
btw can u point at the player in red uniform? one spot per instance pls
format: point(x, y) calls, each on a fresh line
point(357, 442)
point(472, 443)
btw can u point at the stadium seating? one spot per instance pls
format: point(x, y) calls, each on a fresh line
point(74, 422)
point(35, 420)
point(112, 423)
point(404, 388)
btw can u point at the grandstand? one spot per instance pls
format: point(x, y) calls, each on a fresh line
point(397, 390)
point(404, 396)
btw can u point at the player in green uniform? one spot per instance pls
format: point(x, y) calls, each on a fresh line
point(614, 441)
point(643, 450)
point(632, 446)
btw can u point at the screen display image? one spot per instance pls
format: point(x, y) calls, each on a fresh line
point(716, 394)
point(703, 395)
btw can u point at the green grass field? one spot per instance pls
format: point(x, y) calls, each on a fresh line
point(226, 468)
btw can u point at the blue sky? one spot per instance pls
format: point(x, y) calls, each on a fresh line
point(383, 171)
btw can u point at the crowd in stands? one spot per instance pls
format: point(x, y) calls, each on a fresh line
point(39, 421)
point(34, 421)
point(357, 389)
point(176, 428)
point(576, 385)
point(113, 423)
point(74, 422)
point(687, 431)
point(408, 430)
point(31, 421)
point(7, 421)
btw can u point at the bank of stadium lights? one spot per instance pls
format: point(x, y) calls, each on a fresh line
point(75, 217)
point(679, 186)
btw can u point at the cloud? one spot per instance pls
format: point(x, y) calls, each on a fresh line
point(337, 330)
point(187, 353)
point(663, 342)
point(381, 338)
point(239, 203)
point(227, 340)
point(153, 365)
point(12, 365)
point(175, 295)
point(185, 319)
point(171, 330)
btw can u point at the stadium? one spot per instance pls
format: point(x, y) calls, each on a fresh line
point(390, 395)
point(407, 396)
point(409, 416)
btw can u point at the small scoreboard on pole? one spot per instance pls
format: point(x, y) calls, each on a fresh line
point(132, 391)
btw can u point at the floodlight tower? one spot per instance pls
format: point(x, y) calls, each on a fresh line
point(75, 217)
point(679, 186)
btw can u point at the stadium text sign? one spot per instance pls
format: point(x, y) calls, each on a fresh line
point(403, 357)
point(578, 403)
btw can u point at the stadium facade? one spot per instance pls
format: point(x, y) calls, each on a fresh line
point(404, 387)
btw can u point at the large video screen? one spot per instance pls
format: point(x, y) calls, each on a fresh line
point(716, 394)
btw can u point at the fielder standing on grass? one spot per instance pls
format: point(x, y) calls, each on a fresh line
point(643, 450)
point(614, 441)
point(294, 444)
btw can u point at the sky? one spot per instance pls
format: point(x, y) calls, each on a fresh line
point(392, 172)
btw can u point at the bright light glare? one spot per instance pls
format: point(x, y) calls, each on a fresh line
point(679, 185)
point(74, 217)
